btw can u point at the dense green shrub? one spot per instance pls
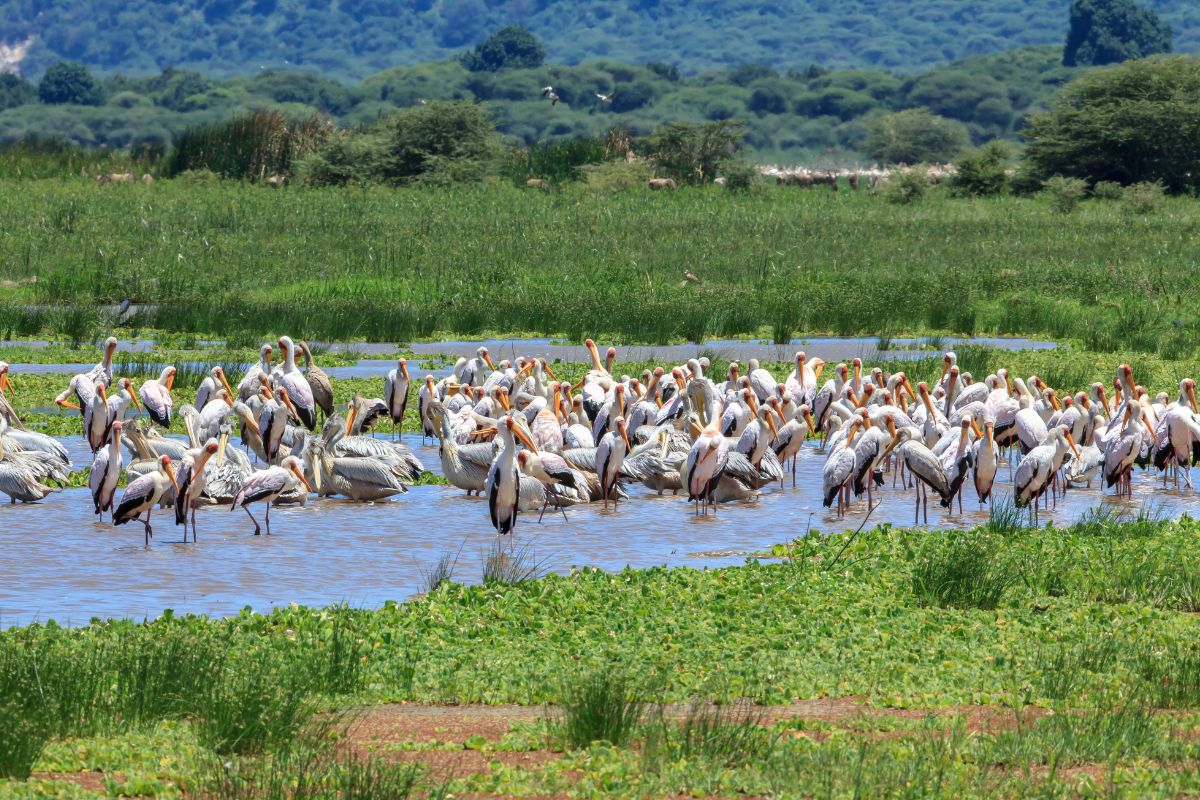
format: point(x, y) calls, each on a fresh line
point(1107, 190)
point(434, 143)
point(68, 82)
point(1139, 121)
point(982, 172)
point(914, 136)
point(906, 186)
point(1143, 198)
point(694, 153)
point(1109, 31)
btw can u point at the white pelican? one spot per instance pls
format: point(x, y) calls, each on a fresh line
point(192, 481)
point(465, 466)
point(106, 472)
point(142, 494)
point(297, 386)
point(395, 394)
point(610, 455)
point(33, 441)
point(504, 480)
point(156, 397)
point(20, 477)
point(266, 485)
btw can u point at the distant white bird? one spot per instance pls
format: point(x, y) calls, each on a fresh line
point(106, 472)
point(606, 98)
point(192, 480)
point(549, 93)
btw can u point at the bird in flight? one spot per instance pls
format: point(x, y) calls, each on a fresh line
point(548, 93)
point(606, 98)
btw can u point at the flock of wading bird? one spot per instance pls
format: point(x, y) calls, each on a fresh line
point(530, 442)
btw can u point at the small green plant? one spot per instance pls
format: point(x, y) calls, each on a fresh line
point(442, 570)
point(512, 565)
point(1144, 198)
point(598, 705)
point(961, 570)
point(906, 186)
point(1107, 190)
point(1065, 193)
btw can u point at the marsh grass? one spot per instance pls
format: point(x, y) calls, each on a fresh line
point(1067, 738)
point(598, 705)
point(1004, 517)
point(961, 570)
point(510, 564)
point(725, 736)
point(441, 571)
point(309, 773)
point(1171, 675)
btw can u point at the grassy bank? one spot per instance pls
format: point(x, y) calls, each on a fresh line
point(396, 265)
point(997, 662)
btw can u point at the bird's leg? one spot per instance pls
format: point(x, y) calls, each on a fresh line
point(257, 530)
point(268, 518)
point(193, 523)
point(924, 502)
point(917, 508)
point(146, 522)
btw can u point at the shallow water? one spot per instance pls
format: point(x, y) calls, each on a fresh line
point(58, 563)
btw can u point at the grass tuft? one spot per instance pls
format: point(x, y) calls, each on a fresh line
point(961, 570)
point(598, 705)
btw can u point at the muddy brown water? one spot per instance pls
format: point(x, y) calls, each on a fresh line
point(58, 563)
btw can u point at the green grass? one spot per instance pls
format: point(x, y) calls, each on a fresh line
point(398, 265)
point(598, 705)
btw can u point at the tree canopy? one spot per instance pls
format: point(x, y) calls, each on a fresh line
point(1111, 31)
point(351, 40)
point(511, 47)
point(67, 82)
point(1136, 122)
point(913, 136)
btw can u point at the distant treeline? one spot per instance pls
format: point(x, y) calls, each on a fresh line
point(798, 115)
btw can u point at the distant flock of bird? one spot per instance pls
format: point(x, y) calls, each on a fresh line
point(530, 442)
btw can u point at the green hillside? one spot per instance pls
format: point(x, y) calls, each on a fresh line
point(355, 39)
point(802, 114)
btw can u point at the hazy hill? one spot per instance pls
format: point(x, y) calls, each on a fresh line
point(354, 38)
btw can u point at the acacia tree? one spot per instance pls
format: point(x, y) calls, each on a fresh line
point(1111, 31)
point(1136, 122)
point(68, 82)
point(692, 153)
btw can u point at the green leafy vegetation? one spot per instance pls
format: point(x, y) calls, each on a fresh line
point(914, 136)
point(353, 40)
point(1131, 123)
point(788, 115)
point(1111, 31)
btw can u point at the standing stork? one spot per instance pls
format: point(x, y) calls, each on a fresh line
point(156, 397)
point(395, 394)
point(1038, 467)
point(255, 378)
point(192, 482)
point(610, 455)
point(504, 480)
point(106, 472)
point(921, 463)
point(266, 485)
point(144, 493)
point(103, 370)
point(297, 386)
